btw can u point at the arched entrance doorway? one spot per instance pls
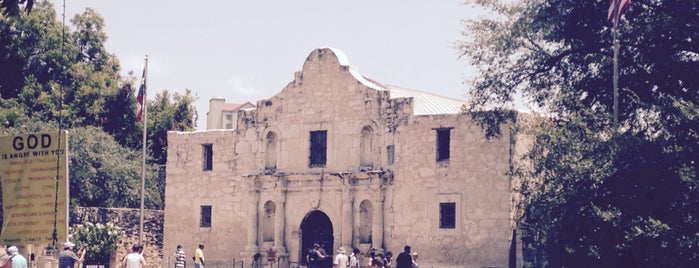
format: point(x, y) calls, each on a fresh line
point(316, 227)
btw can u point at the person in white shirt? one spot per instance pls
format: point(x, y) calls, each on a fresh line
point(18, 261)
point(135, 258)
point(341, 260)
point(354, 258)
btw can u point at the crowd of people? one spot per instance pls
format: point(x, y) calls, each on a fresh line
point(10, 258)
point(68, 258)
point(181, 257)
point(318, 258)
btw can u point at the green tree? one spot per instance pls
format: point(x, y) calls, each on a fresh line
point(12, 7)
point(105, 174)
point(120, 122)
point(30, 45)
point(57, 75)
point(595, 196)
point(168, 112)
point(48, 75)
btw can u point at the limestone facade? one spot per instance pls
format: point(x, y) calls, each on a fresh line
point(343, 160)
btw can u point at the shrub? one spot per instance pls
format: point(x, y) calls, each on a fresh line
point(99, 240)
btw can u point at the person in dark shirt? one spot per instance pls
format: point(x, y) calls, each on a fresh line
point(376, 264)
point(314, 257)
point(404, 260)
point(67, 258)
point(387, 260)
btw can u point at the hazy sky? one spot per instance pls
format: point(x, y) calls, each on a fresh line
point(249, 50)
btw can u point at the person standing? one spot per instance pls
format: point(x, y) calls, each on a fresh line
point(388, 260)
point(67, 258)
point(180, 258)
point(5, 259)
point(404, 260)
point(380, 257)
point(314, 257)
point(134, 259)
point(18, 261)
point(376, 264)
point(414, 255)
point(325, 261)
point(354, 258)
point(372, 257)
point(341, 260)
point(199, 257)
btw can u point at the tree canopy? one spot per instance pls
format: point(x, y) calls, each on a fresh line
point(99, 179)
point(53, 76)
point(594, 195)
point(12, 7)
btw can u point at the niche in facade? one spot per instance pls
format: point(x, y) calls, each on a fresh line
point(366, 145)
point(268, 222)
point(271, 151)
point(366, 211)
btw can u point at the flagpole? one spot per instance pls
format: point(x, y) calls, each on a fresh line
point(616, 64)
point(143, 162)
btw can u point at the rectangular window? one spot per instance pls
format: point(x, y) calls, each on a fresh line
point(390, 150)
point(205, 216)
point(229, 126)
point(447, 215)
point(229, 117)
point(319, 141)
point(443, 137)
point(208, 157)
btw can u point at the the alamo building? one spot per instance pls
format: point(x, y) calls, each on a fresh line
point(339, 159)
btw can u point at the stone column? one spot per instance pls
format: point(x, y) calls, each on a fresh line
point(377, 226)
point(280, 231)
point(253, 219)
point(279, 226)
point(347, 219)
point(355, 218)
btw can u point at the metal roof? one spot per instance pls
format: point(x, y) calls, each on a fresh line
point(427, 103)
point(424, 103)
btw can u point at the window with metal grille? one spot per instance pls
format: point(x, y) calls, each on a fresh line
point(447, 215)
point(318, 150)
point(443, 137)
point(208, 157)
point(205, 216)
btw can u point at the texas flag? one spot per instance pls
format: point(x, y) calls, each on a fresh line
point(616, 9)
point(141, 94)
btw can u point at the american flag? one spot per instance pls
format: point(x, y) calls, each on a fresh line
point(139, 97)
point(616, 9)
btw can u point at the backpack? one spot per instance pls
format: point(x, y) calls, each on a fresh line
point(312, 256)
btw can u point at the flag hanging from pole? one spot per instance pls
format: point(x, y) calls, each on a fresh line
point(140, 96)
point(616, 9)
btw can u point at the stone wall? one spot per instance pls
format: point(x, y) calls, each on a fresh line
point(372, 197)
point(128, 219)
